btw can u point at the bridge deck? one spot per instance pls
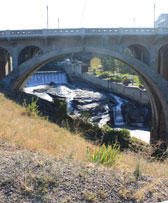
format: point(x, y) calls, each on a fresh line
point(8, 34)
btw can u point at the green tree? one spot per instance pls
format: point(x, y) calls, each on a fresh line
point(108, 64)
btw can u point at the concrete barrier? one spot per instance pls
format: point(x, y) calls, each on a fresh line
point(133, 93)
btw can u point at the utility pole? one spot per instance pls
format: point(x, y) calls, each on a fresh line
point(134, 22)
point(58, 23)
point(47, 16)
point(154, 16)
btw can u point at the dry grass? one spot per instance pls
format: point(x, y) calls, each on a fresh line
point(155, 168)
point(40, 135)
point(34, 133)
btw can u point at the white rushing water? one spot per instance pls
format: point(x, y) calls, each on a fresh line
point(45, 77)
point(118, 117)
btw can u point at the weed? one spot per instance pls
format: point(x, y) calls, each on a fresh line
point(32, 108)
point(137, 171)
point(102, 194)
point(141, 193)
point(70, 156)
point(124, 193)
point(38, 186)
point(65, 124)
point(89, 196)
point(69, 198)
point(104, 155)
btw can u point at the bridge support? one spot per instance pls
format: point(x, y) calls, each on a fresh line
point(5, 63)
point(162, 62)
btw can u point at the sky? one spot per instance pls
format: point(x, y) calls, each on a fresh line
point(32, 14)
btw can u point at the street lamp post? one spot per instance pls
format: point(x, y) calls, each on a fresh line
point(58, 23)
point(154, 15)
point(47, 16)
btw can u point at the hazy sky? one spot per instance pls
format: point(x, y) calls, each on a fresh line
point(32, 14)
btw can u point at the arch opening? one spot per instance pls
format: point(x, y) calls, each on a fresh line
point(139, 52)
point(28, 53)
point(156, 94)
point(5, 63)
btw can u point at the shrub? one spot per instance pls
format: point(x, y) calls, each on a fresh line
point(104, 75)
point(138, 82)
point(85, 117)
point(104, 155)
point(126, 81)
point(32, 108)
point(137, 171)
point(60, 109)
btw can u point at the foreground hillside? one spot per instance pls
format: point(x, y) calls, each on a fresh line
point(41, 162)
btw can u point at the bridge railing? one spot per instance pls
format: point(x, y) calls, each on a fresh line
point(81, 32)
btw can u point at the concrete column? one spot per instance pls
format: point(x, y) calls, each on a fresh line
point(154, 61)
point(165, 66)
point(8, 65)
point(161, 65)
point(14, 61)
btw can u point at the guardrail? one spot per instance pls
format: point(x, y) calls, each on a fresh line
point(81, 32)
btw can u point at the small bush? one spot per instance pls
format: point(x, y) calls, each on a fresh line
point(138, 82)
point(105, 155)
point(32, 108)
point(104, 75)
point(60, 109)
point(126, 81)
point(137, 171)
point(85, 117)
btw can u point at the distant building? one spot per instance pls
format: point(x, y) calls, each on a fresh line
point(162, 21)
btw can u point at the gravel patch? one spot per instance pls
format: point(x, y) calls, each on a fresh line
point(30, 177)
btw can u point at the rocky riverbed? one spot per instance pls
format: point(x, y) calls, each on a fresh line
point(99, 106)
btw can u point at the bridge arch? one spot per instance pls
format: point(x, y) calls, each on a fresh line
point(156, 86)
point(139, 52)
point(29, 52)
point(162, 61)
point(5, 62)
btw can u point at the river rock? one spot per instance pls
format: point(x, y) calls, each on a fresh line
point(134, 113)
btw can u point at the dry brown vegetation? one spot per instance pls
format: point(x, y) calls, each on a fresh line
point(30, 132)
point(37, 134)
point(41, 135)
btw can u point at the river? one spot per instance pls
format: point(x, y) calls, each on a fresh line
point(100, 106)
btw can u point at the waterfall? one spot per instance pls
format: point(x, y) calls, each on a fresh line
point(118, 117)
point(45, 77)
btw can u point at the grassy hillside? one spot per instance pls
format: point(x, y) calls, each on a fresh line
point(32, 132)
point(42, 162)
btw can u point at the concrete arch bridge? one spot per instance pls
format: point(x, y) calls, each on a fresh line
point(23, 52)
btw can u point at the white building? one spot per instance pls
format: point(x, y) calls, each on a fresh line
point(162, 21)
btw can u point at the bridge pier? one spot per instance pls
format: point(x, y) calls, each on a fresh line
point(158, 127)
point(5, 63)
point(14, 61)
point(162, 62)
